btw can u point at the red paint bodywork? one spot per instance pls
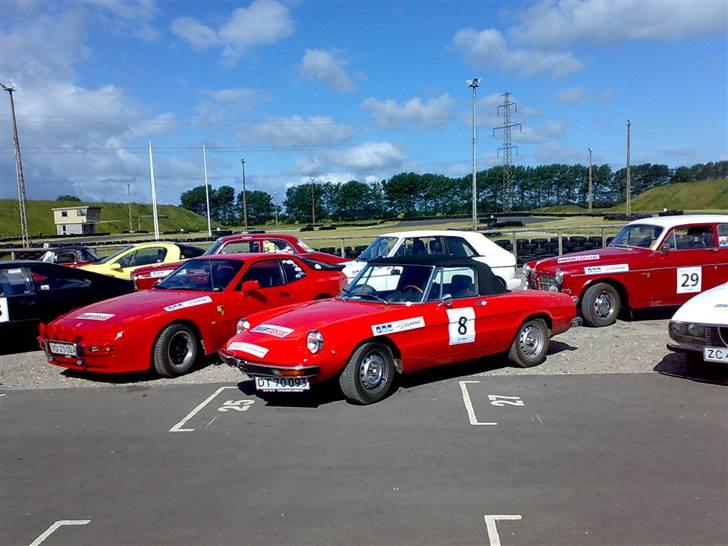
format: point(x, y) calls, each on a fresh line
point(652, 278)
point(138, 318)
point(144, 278)
point(345, 325)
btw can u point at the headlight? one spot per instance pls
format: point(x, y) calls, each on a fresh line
point(559, 276)
point(680, 328)
point(526, 269)
point(242, 324)
point(696, 330)
point(314, 341)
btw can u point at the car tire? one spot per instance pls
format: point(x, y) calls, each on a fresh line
point(175, 351)
point(369, 374)
point(600, 305)
point(530, 344)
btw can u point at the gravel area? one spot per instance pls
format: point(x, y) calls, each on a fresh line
point(626, 347)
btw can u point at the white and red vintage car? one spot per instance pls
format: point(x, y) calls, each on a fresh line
point(653, 262)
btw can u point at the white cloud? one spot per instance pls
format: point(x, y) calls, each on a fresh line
point(309, 166)
point(571, 95)
point(549, 131)
point(264, 22)
point(297, 131)
point(242, 97)
point(552, 152)
point(390, 114)
point(487, 48)
point(552, 24)
point(162, 123)
point(367, 156)
point(129, 16)
point(327, 67)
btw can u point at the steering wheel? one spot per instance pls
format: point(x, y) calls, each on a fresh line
point(414, 287)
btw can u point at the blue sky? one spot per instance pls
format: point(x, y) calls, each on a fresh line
point(349, 90)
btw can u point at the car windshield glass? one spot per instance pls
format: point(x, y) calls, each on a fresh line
point(637, 235)
point(114, 255)
point(202, 276)
point(214, 249)
point(380, 248)
point(390, 284)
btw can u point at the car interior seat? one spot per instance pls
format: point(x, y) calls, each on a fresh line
point(222, 275)
point(435, 246)
point(418, 247)
point(462, 287)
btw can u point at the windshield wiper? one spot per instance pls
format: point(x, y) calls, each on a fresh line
point(372, 296)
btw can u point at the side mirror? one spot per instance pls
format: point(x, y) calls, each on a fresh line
point(115, 267)
point(250, 286)
point(665, 249)
point(446, 300)
point(396, 271)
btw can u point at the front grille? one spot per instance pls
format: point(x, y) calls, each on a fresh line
point(545, 282)
point(716, 336)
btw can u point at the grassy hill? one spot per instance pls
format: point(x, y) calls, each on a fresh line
point(705, 195)
point(114, 217)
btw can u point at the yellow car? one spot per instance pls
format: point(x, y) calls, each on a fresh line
point(122, 263)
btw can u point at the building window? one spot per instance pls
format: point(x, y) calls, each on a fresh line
point(64, 213)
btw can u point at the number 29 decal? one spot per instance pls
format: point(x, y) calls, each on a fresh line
point(689, 279)
point(461, 327)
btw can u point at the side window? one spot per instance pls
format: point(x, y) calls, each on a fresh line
point(692, 237)
point(723, 235)
point(417, 246)
point(127, 260)
point(266, 272)
point(237, 247)
point(292, 270)
point(65, 257)
point(459, 282)
point(60, 281)
point(188, 251)
point(16, 282)
point(459, 247)
point(435, 293)
point(148, 256)
point(282, 246)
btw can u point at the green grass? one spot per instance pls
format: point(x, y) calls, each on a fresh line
point(115, 217)
point(708, 195)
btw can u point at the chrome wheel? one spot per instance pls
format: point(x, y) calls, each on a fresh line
point(531, 341)
point(373, 371)
point(603, 304)
point(180, 348)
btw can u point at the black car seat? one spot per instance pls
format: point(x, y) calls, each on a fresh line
point(462, 287)
point(435, 246)
point(418, 247)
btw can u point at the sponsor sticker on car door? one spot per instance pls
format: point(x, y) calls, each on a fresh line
point(689, 279)
point(4, 311)
point(461, 325)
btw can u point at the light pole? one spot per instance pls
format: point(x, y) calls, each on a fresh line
point(474, 84)
point(245, 199)
point(24, 231)
point(207, 191)
point(590, 181)
point(128, 191)
point(154, 194)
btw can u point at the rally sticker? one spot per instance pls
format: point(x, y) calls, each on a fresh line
point(95, 316)
point(158, 274)
point(255, 350)
point(189, 303)
point(569, 259)
point(461, 327)
point(273, 330)
point(617, 268)
point(689, 279)
point(398, 326)
point(4, 312)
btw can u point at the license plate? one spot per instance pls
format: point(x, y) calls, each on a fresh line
point(715, 354)
point(286, 384)
point(65, 349)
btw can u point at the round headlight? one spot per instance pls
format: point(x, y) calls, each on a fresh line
point(559, 276)
point(242, 324)
point(314, 341)
point(526, 269)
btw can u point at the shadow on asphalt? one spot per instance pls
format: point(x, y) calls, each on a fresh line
point(658, 313)
point(131, 377)
point(677, 365)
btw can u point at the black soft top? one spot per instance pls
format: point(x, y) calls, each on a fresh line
point(488, 283)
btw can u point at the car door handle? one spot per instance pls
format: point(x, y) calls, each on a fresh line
point(482, 303)
point(284, 293)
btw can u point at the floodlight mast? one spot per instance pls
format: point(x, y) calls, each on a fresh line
point(24, 231)
point(474, 84)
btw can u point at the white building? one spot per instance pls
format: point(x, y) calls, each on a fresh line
point(79, 220)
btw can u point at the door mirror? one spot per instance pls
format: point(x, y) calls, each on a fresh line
point(447, 300)
point(396, 271)
point(115, 267)
point(665, 248)
point(250, 286)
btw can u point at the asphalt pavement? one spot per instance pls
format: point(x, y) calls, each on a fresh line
point(613, 459)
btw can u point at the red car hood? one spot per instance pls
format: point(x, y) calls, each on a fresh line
point(578, 260)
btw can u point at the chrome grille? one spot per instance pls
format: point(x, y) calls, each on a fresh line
point(716, 336)
point(545, 282)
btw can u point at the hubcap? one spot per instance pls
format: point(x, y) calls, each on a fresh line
point(373, 371)
point(531, 341)
point(603, 305)
point(180, 349)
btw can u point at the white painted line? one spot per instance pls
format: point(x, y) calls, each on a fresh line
point(190, 415)
point(53, 528)
point(469, 405)
point(493, 536)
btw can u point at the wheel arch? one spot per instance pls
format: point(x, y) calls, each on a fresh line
point(185, 322)
point(389, 342)
point(539, 315)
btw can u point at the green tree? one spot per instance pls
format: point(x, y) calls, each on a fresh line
point(259, 204)
point(194, 200)
point(67, 197)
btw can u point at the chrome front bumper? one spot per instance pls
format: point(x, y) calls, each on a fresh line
point(267, 370)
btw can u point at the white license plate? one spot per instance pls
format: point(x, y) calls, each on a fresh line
point(286, 384)
point(66, 349)
point(715, 354)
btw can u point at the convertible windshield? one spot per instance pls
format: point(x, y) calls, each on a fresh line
point(202, 276)
point(390, 284)
point(380, 248)
point(637, 235)
point(114, 255)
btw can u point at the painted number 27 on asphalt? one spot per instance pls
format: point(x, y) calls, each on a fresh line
point(499, 401)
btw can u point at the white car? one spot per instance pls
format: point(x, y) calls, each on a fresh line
point(459, 244)
point(700, 327)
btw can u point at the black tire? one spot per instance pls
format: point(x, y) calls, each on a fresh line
point(175, 351)
point(369, 374)
point(600, 305)
point(531, 343)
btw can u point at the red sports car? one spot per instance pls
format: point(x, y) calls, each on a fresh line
point(192, 312)
point(146, 277)
point(443, 310)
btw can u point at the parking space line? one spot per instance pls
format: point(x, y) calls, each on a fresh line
point(490, 526)
point(55, 526)
point(469, 405)
point(190, 415)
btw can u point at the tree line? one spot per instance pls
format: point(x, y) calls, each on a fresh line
point(412, 195)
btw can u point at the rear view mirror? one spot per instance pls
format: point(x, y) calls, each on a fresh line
point(250, 286)
point(665, 248)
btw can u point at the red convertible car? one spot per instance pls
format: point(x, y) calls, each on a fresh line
point(443, 310)
point(146, 277)
point(192, 312)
